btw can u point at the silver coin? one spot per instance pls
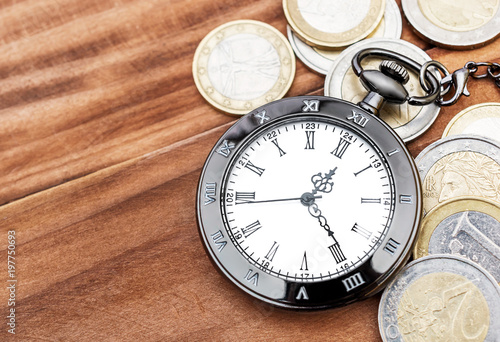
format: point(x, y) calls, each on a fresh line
point(441, 298)
point(321, 60)
point(458, 24)
point(408, 121)
point(470, 234)
point(333, 24)
point(480, 119)
point(242, 65)
point(459, 165)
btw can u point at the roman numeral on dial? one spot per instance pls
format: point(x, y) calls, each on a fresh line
point(337, 253)
point(391, 246)
point(341, 148)
point(371, 200)
point(244, 197)
point(251, 228)
point(219, 241)
point(353, 281)
point(275, 142)
point(310, 140)
point(358, 119)
point(272, 252)
point(361, 231)
point(258, 170)
point(210, 192)
point(366, 168)
point(303, 266)
point(252, 277)
point(225, 148)
point(311, 106)
point(302, 294)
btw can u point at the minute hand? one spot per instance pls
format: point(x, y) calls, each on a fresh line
point(323, 183)
point(276, 200)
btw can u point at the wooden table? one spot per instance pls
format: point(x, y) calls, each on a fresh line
point(103, 135)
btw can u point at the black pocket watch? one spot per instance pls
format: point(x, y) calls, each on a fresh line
point(313, 202)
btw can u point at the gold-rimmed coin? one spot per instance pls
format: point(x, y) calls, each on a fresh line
point(459, 165)
point(457, 24)
point(464, 226)
point(440, 298)
point(242, 65)
point(482, 119)
point(335, 23)
point(321, 61)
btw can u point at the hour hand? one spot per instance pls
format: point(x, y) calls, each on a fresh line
point(335, 249)
point(323, 183)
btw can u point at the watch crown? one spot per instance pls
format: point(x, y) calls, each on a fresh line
point(395, 71)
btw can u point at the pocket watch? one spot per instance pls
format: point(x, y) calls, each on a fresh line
point(312, 202)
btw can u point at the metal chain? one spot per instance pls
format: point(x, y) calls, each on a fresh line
point(435, 87)
point(457, 80)
point(492, 70)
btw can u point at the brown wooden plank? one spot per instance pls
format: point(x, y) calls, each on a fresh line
point(124, 258)
point(102, 139)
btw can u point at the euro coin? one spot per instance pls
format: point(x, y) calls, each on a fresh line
point(242, 65)
point(465, 226)
point(459, 165)
point(457, 24)
point(482, 119)
point(441, 298)
point(320, 60)
point(335, 23)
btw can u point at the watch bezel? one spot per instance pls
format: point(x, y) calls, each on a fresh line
point(369, 277)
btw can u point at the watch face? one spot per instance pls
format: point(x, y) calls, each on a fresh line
point(292, 199)
point(309, 202)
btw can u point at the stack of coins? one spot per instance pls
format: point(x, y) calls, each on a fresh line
point(320, 30)
point(461, 186)
point(326, 35)
point(451, 292)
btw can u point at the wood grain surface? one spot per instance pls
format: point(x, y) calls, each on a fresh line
point(103, 135)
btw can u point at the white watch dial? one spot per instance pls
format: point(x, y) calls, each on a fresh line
point(308, 199)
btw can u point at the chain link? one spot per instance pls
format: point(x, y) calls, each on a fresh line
point(491, 69)
point(457, 80)
point(434, 78)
